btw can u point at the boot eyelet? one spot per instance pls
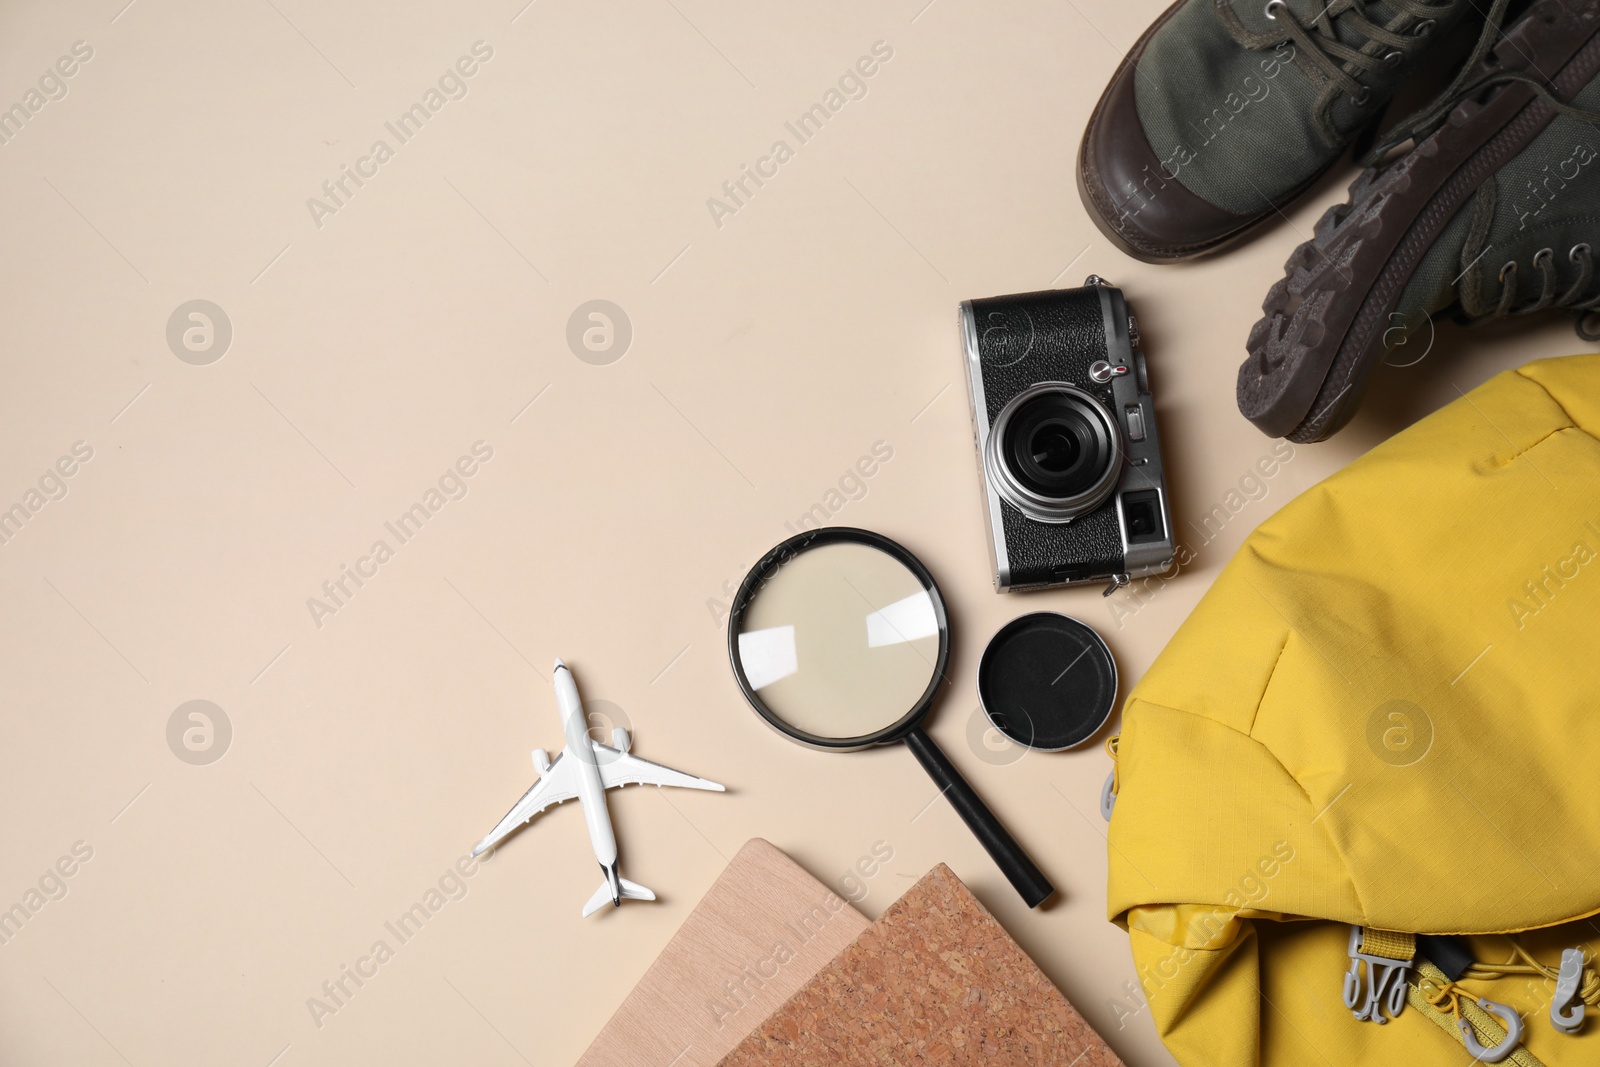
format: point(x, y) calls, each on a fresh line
point(1572, 253)
point(1360, 100)
point(1546, 254)
point(1508, 267)
point(1423, 28)
point(1274, 4)
point(1394, 59)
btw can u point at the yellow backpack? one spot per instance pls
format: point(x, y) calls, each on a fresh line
point(1383, 721)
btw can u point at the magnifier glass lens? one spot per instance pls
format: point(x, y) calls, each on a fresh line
point(840, 641)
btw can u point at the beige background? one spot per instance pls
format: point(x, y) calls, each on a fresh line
point(768, 355)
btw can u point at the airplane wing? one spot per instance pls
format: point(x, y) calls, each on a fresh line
point(558, 784)
point(623, 768)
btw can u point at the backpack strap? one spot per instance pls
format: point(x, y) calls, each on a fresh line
point(1386, 956)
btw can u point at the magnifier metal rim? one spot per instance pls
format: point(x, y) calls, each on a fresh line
point(783, 553)
point(1033, 617)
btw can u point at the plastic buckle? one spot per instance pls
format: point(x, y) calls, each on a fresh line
point(1513, 1038)
point(1566, 1008)
point(1384, 988)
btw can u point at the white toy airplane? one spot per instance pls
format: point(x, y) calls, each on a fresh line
point(586, 769)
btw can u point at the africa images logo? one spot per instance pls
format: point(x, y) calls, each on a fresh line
point(1399, 733)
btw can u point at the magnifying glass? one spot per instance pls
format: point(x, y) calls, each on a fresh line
point(839, 640)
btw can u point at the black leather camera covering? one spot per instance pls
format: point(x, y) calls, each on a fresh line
point(1038, 337)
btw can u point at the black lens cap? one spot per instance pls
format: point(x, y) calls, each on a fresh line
point(1047, 681)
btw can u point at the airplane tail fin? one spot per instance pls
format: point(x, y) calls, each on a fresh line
point(601, 898)
point(633, 890)
point(626, 890)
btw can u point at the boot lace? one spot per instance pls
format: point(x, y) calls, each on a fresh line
point(1575, 297)
point(1344, 64)
point(1479, 303)
point(1476, 76)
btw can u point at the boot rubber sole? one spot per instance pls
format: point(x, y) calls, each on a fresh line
point(1324, 323)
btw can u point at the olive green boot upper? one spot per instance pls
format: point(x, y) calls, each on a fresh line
point(1526, 241)
point(1225, 110)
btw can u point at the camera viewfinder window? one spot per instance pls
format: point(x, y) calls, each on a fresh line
point(1141, 513)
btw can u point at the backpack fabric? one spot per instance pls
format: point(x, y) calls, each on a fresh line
point(1384, 713)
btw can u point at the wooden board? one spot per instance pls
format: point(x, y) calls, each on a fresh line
point(936, 980)
point(762, 930)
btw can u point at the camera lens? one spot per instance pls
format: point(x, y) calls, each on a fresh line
point(1054, 448)
point(1056, 451)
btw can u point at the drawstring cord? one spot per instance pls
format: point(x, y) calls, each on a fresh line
point(1450, 992)
point(1529, 967)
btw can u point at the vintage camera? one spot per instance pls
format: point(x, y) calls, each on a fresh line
point(1065, 429)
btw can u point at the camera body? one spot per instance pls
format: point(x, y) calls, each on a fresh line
point(1065, 430)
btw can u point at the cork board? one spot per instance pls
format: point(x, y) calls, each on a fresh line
point(762, 930)
point(935, 980)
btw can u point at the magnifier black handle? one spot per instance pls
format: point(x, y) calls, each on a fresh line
point(1024, 874)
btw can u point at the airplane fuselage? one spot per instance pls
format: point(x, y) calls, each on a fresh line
point(591, 789)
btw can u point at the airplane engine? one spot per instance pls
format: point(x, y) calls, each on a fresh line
point(619, 739)
point(541, 761)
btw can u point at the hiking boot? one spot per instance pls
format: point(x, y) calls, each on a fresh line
point(1224, 111)
point(1494, 212)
